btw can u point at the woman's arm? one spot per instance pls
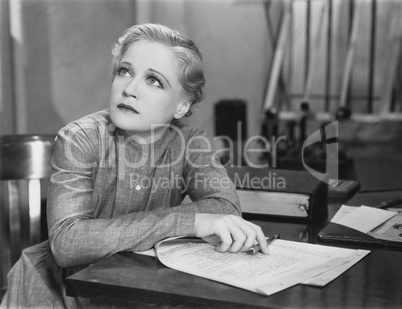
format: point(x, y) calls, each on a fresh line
point(76, 236)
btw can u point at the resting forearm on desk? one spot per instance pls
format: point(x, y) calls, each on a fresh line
point(94, 211)
point(83, 240)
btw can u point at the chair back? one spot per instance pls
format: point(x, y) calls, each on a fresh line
point(24, 166)
point(25, 156)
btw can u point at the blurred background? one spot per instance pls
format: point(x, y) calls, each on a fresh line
point(55, 60)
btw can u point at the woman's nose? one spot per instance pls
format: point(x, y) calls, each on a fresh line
point(131, 88)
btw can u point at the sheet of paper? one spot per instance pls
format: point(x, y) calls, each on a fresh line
point(326, 277)
point(343, 212)
point(365, 219)
point(288, 263)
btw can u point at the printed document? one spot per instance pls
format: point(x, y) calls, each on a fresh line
point(289, 263)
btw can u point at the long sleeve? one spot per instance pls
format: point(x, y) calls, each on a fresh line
point(89, 218)
point(76, 235)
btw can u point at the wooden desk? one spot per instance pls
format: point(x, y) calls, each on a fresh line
point(128, 279)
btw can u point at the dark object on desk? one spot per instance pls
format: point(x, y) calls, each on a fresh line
point(341, 188)
point(390, 203)
point(254, 181)
point(337, 234)
point(334, 233)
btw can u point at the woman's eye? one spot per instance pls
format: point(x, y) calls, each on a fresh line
point(155, 82)
point(123, 72)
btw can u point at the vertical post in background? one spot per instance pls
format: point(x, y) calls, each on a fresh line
point(270, 111)
point(307, 54)
point(288, 78)
point(7, 112)
point(18, 60)
point(344, 107)
point(399, 86)
point(392, 65)
point(373, 31)
point(352, 39)
point(328, 59)
point(273, 41)
point(315, 38)
point(277, 59)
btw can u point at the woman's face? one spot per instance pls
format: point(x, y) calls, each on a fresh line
point(146, 94)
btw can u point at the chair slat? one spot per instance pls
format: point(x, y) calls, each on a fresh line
point(34, 211)
point(14, 220)
point(5, 253)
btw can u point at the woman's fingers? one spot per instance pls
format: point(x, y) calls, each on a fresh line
point(260, 237)
point(244, 234)
point(247, 232)
point(235, 233)
point(226, 239)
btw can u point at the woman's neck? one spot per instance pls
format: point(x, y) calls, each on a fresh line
point(149, 137)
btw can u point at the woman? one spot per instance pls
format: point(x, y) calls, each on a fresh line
point(120, 175)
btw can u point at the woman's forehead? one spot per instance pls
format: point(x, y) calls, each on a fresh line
point(150, 51)
point(154, 55)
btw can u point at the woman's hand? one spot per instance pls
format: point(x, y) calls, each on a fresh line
point(229, 232)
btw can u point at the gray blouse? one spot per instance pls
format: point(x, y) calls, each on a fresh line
point(109, 193)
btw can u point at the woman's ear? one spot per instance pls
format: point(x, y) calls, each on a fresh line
point(182, 109)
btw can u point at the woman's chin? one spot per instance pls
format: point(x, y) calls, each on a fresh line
point(124, 122)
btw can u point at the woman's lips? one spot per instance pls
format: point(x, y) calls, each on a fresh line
point(127, 107)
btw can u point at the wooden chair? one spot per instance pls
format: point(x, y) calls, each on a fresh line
point(24, 167)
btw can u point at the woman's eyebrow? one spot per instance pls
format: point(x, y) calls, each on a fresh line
point(126, 62)
point(159, 73)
